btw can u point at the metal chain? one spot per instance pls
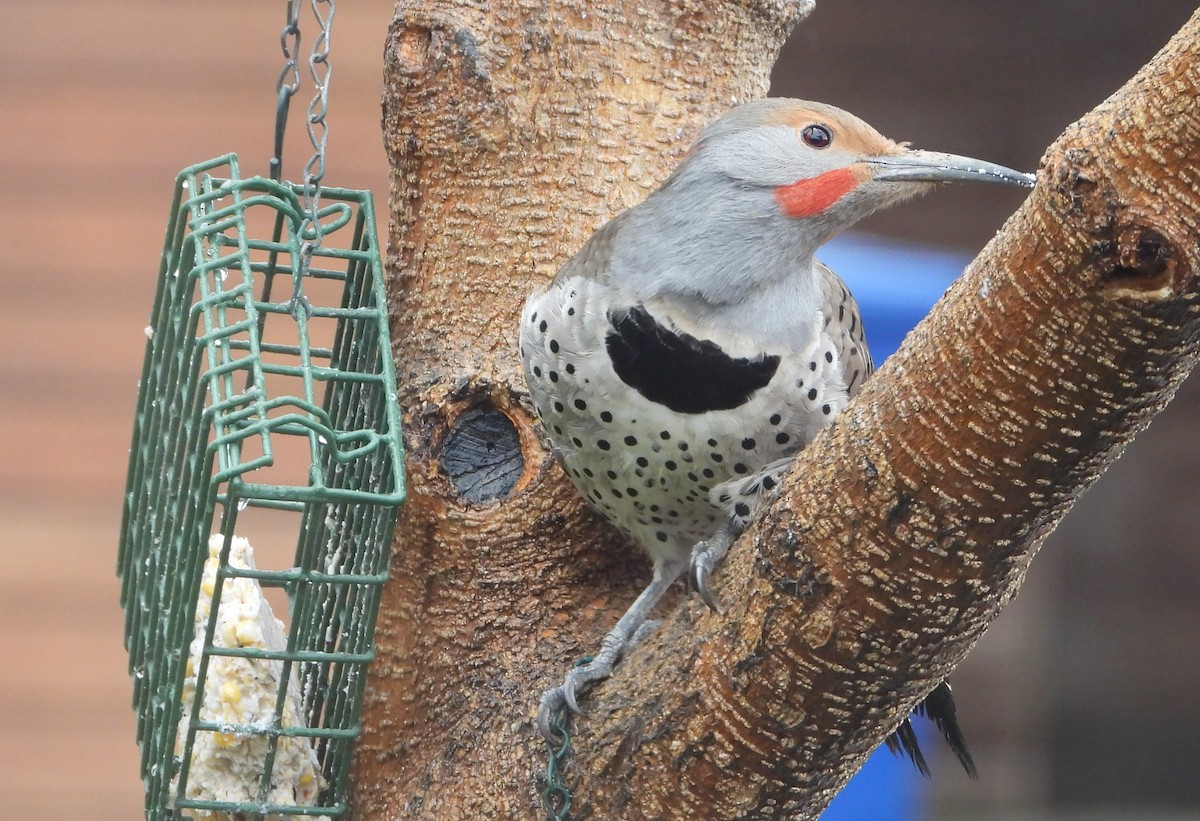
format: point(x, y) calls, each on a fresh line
point(289, 44)
point(309, 233)
point(557, 796)
point(314, 170)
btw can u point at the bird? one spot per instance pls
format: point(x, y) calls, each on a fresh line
point(694, 345)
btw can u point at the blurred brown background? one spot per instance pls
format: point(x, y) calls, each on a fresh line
point(1082, 702)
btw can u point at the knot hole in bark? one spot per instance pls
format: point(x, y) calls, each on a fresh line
point(410, 50)
point(424, 49)
point(1138, 252)
point(1142, 260)
point(438, 93)
point(482, 455)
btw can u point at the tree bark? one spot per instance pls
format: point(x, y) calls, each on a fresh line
point(514, 130)
point(902, 531)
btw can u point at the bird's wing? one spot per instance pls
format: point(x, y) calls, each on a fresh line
point(844, 326)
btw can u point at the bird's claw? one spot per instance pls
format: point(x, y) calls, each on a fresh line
point(568, 694)
point(564, 696)
point(554, 701)
point(698, 572)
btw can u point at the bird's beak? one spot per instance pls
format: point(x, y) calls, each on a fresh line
point(913, 165)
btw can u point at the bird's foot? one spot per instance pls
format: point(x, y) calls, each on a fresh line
point(705, 556)
point(559, 702)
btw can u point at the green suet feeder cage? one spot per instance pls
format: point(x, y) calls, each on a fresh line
point(269, 419)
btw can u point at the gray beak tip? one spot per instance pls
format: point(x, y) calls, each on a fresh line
point(931, 166)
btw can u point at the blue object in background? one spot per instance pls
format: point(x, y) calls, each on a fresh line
point(887, 788)
point(895, 285)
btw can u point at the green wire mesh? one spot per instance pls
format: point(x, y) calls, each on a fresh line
point(256, 419)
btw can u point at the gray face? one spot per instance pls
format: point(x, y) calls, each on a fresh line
point(719, 240)
point(728, 241)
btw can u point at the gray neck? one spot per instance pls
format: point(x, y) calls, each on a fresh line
point(720, 258)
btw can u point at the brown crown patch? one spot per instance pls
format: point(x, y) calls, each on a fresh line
point(849, 132)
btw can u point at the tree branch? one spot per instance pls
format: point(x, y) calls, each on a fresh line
point(512, 135)
point(906, 527)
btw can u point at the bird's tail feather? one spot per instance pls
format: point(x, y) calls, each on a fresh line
point(939, 708)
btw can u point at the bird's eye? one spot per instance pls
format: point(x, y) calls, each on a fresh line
point(817, 136)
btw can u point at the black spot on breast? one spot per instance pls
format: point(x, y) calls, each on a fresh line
point(685, 374)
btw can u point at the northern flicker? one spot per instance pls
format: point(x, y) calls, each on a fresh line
point(694, 345)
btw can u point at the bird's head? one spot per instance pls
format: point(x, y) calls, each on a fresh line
point(823, 166)
point(726, 237)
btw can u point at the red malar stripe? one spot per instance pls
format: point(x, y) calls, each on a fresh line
point(807, 198)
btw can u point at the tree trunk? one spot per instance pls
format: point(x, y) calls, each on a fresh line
point(903, 530)
point(513, 134)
